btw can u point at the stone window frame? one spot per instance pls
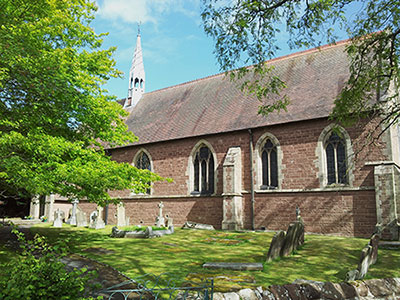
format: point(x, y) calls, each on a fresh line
point(321, 154)
point(258, 149)
point(135, 157)
point(190, 168)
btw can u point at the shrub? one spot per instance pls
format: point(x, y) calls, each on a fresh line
point(38, 273)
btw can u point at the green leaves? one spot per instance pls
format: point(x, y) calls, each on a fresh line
point(246, 31)
point(38, 273)
point(55, 119)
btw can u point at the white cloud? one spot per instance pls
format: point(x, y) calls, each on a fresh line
point(134, 11)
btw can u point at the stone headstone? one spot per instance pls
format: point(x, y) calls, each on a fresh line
point(364, 263)
point(92, 218)
point(374, 243)
point(58, 217)
point(160, 221)
point(121, 218)
point(96, 222)
point(170, 222)
point(369, 256)
point(149, 231)
point(81, 220)
point(352, 275)
point(294, 238)
point(276, 245)
point(115, 232)
point(72, 219)
point(192, 225)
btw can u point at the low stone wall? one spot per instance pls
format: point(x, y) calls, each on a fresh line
point(388, 288)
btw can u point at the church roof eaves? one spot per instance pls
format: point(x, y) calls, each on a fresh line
point(213, 104)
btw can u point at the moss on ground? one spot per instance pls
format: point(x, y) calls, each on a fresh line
point(322, 258)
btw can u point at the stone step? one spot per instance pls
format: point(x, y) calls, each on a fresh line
point(389, 245)
point(234, 266)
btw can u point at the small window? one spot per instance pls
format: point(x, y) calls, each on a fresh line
point(335, 150)
point(203, 167)
point(136, 83)
point(141, 83)
point(143, 162)
point(269, 161)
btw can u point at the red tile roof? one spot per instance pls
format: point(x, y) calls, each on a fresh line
point(214, 104)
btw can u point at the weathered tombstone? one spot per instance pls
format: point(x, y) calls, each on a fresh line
point(169, 221)
point(121, 219)
point(276, 245)
point(92, 218)
point(160, 221)
point(364, 263)
point(72, 219)
point(115, 232)
point(352, 275)
point(96, 222)
point(374, 243)
point(58, 217)
point(293, 238)
point(192, 225)
point(149, 231)
point(81, 220)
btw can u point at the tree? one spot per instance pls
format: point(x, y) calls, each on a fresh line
point(246, 31)
point(55, 119)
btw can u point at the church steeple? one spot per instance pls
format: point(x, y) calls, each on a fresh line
point(136, 76)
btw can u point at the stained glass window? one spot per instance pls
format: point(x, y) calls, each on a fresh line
point(269, 160)
point(336, 160)
point(143, 163)
point(203, 171)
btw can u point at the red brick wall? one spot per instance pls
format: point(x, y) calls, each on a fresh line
point(205, 210)
point(339, 213)
point(348, 214)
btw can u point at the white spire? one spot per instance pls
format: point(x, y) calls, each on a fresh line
point(136, 75)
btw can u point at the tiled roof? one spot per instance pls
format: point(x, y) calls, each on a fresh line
point(214, 104)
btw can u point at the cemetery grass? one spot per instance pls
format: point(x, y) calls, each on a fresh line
point(321, 258)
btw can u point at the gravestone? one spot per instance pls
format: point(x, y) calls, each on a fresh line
point(193, 225)
point(369, 256)
point(96, 221)
point(276, 245)
point(169, 222)
point(285, 243)
point(374, 243)
point(122, 220)
point(160, 221)
point(81, 220)
point(58, 217)
point(72, 219)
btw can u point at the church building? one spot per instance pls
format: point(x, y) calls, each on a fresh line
point(235, 169)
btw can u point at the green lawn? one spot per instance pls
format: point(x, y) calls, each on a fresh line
point(323, 258)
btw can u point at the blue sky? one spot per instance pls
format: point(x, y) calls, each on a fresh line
point(175, 47)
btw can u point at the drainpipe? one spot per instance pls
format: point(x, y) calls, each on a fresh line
point(106, 215)
point(253, 226)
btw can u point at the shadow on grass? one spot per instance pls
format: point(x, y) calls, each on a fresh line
point(322, 258)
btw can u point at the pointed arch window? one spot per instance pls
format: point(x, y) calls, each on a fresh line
point(203, 168)
point(336, 159)
point(136, 83)
point(143, 162)
point(269, 161)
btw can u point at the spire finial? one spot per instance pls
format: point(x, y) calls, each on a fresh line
point(138, 27)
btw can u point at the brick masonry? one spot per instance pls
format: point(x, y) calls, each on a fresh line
point(351, 212)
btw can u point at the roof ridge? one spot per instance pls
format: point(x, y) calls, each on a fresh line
point(280, 58)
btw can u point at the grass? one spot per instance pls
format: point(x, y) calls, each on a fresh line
point(322, 258)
